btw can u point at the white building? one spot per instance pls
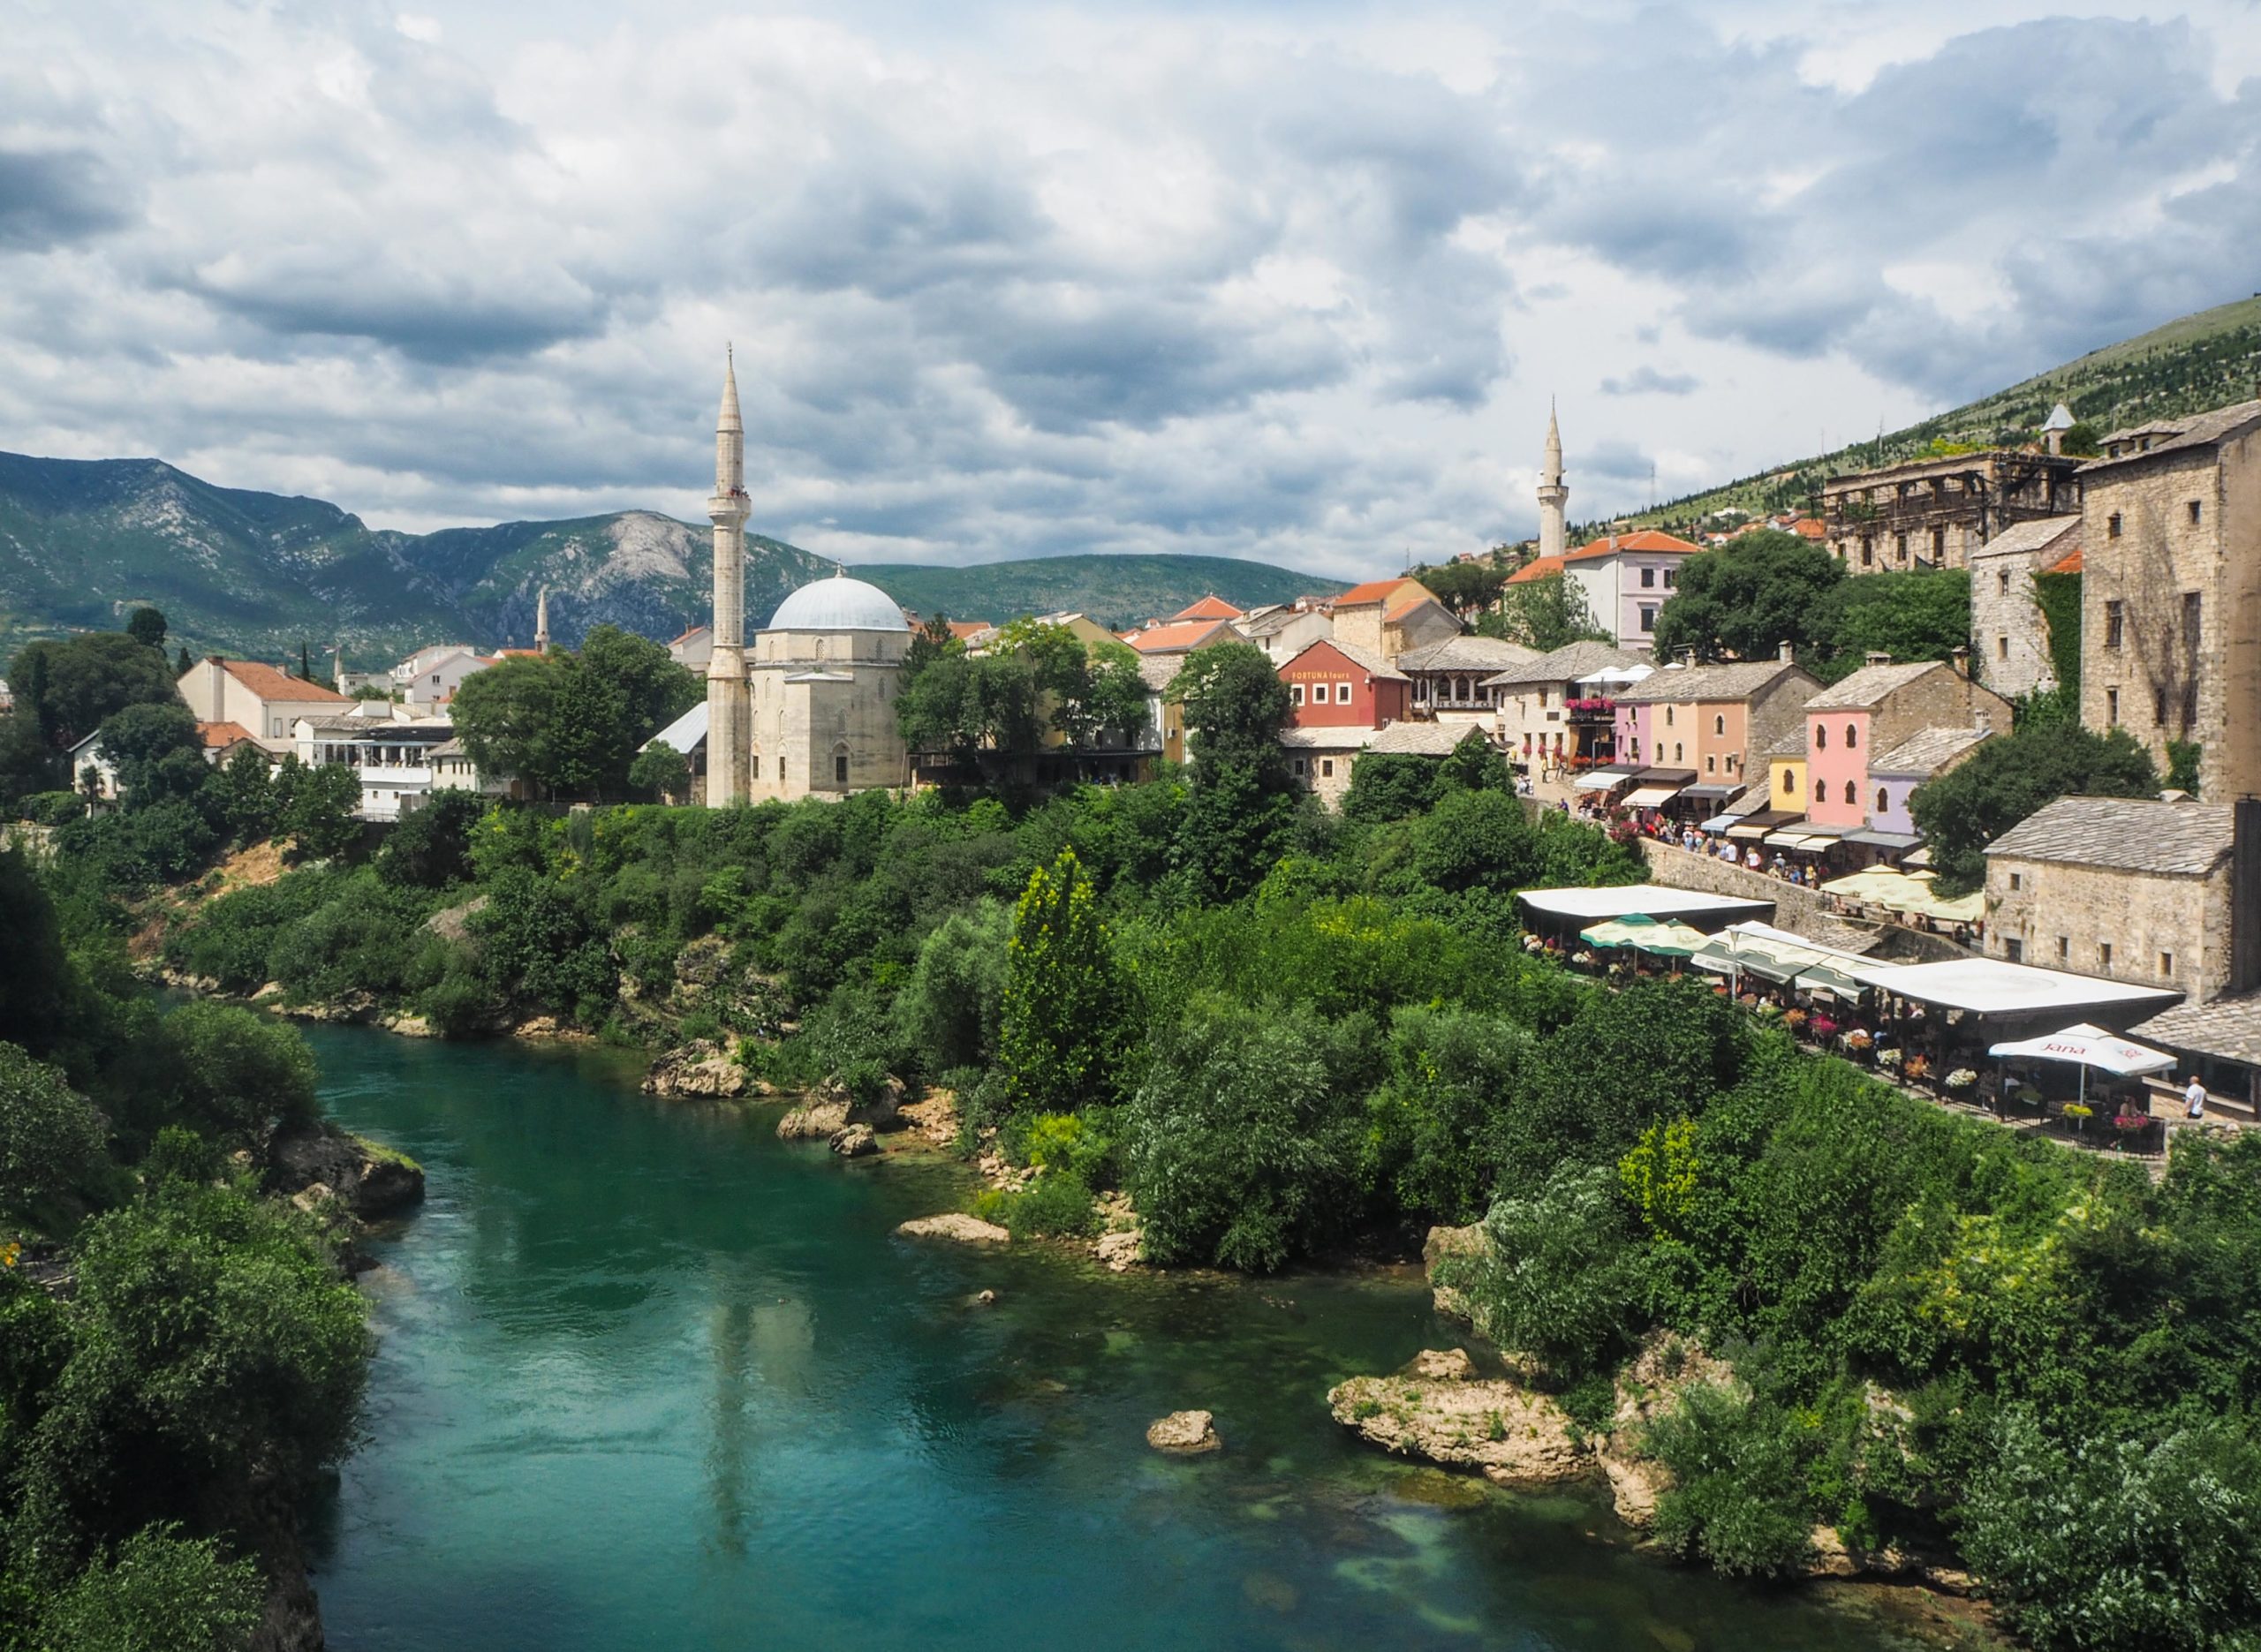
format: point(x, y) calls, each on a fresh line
point(260, 699)
point(402, 759)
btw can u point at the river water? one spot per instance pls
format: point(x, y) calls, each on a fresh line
point(648, 1377)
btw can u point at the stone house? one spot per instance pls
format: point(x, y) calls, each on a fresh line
point(2009, 635)
point(1388, 616)
point(1321, 758)
point(388, 748)
point(1898, 772)
point(1541, 715)
point(2130, 888)
point(1451, 679)
point(2171, 592)
point(1874, 711)
point(1934, 513)
point(1284, 630)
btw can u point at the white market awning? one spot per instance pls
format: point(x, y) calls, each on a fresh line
point(1647, 899)
point(1600, 781)
point(1994, 986)
point(1651, 796)
point(2091, 1046)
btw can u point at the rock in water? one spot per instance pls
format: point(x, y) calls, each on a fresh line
point(814, 1121)
point(1186, 1431)
point(855, 1141)
point(368, 1180)
point(1444, 1365)
point(1517, 1437)
point(699, 1068)
point(967, 1230)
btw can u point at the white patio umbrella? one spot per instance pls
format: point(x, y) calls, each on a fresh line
point(2089, 1047)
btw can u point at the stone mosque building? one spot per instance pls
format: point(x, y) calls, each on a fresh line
point(809, 711)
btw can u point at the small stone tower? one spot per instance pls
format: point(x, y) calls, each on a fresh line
point(1553, 495)
point(730, 732)
point(541, 620)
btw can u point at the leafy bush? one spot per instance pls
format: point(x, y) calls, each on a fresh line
point(1563, 1277)
point(1056, 1204)
point(50, 1137)
point(160, 1592)
point(1738, 1497)
point(235, 1072)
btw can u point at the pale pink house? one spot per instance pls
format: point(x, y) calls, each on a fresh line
point(1878, 709)
point(1713, 722)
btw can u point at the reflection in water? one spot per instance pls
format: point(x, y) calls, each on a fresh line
point(649, 1377)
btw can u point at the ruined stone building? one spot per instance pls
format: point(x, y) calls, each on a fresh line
point(1934, 513)
point(2171, 592)
point(2009, 634)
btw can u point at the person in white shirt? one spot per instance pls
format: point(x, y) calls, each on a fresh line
point(2194, 1098)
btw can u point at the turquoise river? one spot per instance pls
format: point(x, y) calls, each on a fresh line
point(648, 1377)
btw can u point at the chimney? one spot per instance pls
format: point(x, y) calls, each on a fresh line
point(1961, 658)
point(1786, 654)
point(1985, 719)
point(1877, 657)
point(2245, 895)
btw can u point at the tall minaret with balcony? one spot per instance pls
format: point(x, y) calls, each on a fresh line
point(1553, 495)
point(729, 731)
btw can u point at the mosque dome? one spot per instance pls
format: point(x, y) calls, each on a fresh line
point(839, 604)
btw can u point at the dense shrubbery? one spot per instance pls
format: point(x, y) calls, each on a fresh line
point(206, 1360)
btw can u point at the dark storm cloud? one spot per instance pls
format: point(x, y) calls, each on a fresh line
point(50, 198)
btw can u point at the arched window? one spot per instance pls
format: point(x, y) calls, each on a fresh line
point(1668, 716)
point(1675, 752)
point(1852, 736)
point(1786, 786)
point(840, 764)
point(1720, 725)
point(1883, 801)
point(1850, 795)
point(1820, 738)
point(1821, 791)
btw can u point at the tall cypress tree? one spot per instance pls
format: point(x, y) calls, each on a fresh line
point(1061, 1036)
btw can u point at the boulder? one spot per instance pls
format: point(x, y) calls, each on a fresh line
point(452, 923)
point(370, 1180)
point(956, 1224)
point(814, 1120)
point(855, 1141)
point(1515, 1437)
point(700, 1067)
point(1184, 1432)
point(1120, 1250)
point(409, 1026)
point(1443, 1365)
point(1450, 1244)
point(1636, 1484)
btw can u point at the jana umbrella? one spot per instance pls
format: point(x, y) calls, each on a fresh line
point(2090, 1046)
point(1645, 934)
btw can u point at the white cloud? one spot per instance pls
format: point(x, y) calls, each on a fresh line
point(1287, 285)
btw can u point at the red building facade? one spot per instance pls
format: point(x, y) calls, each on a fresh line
point(1340, 685)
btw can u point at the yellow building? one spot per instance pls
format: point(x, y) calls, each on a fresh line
point(1786, 772)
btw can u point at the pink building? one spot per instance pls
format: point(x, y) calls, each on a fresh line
point(1716, 721)
point(1872, 713)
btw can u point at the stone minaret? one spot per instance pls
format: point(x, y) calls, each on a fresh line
point(1552, 494)
point(541, 620)
point(730, 718)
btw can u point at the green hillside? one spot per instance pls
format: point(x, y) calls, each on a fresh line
point(1116, 591)
point(2201, 361)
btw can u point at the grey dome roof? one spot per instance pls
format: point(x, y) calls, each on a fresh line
point(839, 604)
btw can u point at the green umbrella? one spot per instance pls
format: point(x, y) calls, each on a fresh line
point(1645, 934)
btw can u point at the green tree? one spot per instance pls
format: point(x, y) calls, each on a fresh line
point(1235, 707)
point(934, 640)
point(1245, 1136)
point(2009, 777)
point(146, 626)
point(243, 791)
point(156, 752)
point(71, 686)
point(181, 663)
point(661, 773)
point(1542, 614)
point(1563, 1277)
point(962, 704)
point(160, 1592)
point(1474, 765)
point(1392, 786)
point(951, 1008)
point(1465, 588)
point(1748, 597)
point(51, 1138)
point(235, 1072)
point(572, 723)
point(322, 819)
point(1919, 615)
point(1059, 1038)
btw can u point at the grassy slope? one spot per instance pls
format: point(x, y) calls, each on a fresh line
point(2200, 361)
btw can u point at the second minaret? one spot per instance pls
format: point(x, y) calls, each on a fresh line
point(730, 732)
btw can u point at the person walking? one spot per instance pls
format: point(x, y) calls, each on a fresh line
point(2194, 1100)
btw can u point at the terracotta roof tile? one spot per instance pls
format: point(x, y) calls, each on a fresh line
point(1645, 539)
point(271, 684)
point(1537, 568)
point(1373, 590)
point(1210, 607)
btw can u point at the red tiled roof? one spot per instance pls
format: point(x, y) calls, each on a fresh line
point(271, 684)
point(2070, 563)
point(1809, 528)
point(693, 632)
point(1373, 590)
point(963, 629)
point(1212, 606)
point(1157, 639)
point(220, 737)
point(1645, 539)
point(1537, 568)
point(1407, 606)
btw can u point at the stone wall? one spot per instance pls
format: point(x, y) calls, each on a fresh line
point(2066, 917)
point(2157, 557)
point(2009, 640)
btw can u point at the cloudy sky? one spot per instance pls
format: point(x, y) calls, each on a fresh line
point(1287, 281)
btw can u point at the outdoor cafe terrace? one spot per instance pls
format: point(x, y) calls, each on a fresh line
point(2028, 1047)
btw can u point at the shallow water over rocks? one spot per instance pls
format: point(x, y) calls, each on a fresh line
point(649, 1377)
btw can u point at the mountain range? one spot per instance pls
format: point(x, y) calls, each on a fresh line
point(84, 542)
point(2200, 361)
